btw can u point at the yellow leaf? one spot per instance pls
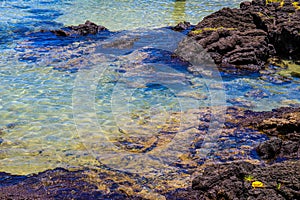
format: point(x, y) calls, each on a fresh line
point(257, 184)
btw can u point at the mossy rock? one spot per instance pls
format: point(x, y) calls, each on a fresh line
point(278, 62)
point(293, 70)
point(200, 31)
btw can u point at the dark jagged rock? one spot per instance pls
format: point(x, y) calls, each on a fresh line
point(220, 181)
point(277, 148)
point(283, 125)
point(236, 181)
point(87, 28)
point(61, 184)
point(82, 29)
point(246, 38)
point(182, 26)
point(282, 122)
point(269, 149)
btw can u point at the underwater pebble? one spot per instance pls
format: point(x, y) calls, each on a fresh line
point(194, 95)
point(256, 94)
point(219, 86)
point(240, 102)
point(11, 125)
point(198, 144)
point(275, 79)
point(290, 102)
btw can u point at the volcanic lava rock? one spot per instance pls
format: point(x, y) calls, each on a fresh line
point(182, 26)
point(82, 29)
point(269, 149)
point(282, 125)
point(236, 181)
point(246, 38)
point(282, 122)
point(61, 184)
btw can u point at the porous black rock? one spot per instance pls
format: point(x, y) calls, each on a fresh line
point(235, 181)
point(82, 29)
point(247, 37)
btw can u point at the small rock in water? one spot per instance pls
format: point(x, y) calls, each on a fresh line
point(275, 79)
point(182, 26)
point(295, 74)
point(240, 102)
point(82, 29)
point(194, 95)
point(290, 102)
point(256, 94)
point(11, 125)
point(198, 144)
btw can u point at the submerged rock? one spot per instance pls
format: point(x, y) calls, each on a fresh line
point(256, 94)
point(240, 102)
point(246, 38)
point(82, 29)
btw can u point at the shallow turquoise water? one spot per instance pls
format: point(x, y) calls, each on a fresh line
point(115, 15)
point(42, 82)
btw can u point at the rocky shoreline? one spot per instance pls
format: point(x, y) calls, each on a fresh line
point(225, 181)
point(233, 178)
point(261, 37)
point(251, 38)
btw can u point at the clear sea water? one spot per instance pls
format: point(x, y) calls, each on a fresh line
point(57, 95)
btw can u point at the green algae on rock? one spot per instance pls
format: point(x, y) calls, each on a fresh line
point(292, 69)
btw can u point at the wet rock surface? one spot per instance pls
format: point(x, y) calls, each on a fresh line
point(282, 122)
point(246, 38)
point(62, 184)
point(283, 126)
point(82, 29)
